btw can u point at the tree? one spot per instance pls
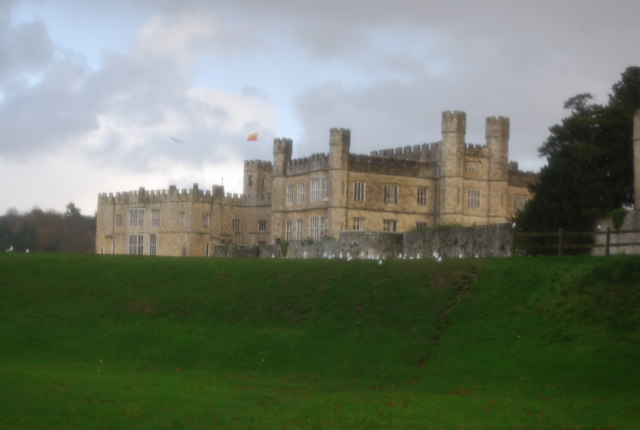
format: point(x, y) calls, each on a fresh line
point(40, 231)
point(72, 211)
point(589, 169)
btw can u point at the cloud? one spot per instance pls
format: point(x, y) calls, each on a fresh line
point(24, 49)
point(46, 115)
point(124, 112)
point(209, 73)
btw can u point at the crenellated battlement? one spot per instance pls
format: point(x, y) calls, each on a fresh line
point(282, 144)
point(392, 166)
point(143, 196)
point(173, 194)
point(258, 164)
point(454, 122)
point(476, 150)
point(519, 178)
point(324, 194)
point(497, 127)
point(245, 199)
point(339, 136)
point(424, 152)
point(235, 198)
point(312, 163)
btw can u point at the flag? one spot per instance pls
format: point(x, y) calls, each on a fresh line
point(252, 137)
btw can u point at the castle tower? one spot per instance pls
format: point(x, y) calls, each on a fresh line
point(449, 208)
point(282, 149)
point(636, 159)
point(454, 128)
point(339, 143)
point(257, 179)
point(497, 137)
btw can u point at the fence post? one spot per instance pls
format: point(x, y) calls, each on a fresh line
point(607, 242)
point(560, 242)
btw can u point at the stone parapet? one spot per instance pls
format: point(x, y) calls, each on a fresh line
point(309, 164)
point(425, 152)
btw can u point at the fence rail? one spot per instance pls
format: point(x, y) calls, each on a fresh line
point(563, 241)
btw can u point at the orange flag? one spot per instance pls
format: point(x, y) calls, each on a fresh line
point(252, 137)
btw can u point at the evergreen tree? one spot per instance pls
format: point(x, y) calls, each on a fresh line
point(589, 169)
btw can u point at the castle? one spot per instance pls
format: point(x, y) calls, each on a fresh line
point(391, 190)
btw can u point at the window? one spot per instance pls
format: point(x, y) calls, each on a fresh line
point(180, 218)
point(299, 229)
point(250, 181)
point(262, 225)
point(422, 226)
point(135, 244)
point(390, 193)
point(290, 195)
point(300, 192)
point(422, 196)
point(358, 223)
point(136, 217)
point(474, 166)
point(236, 225)
point(288, 225)
point(319, 189)
point(118, 221)
point(153, 242)
point(155, 218)
point(359, 191)
point(473, 198)
point(206, 218)
point(519, 201)
point(389, 225)
point(317, 227)
point(314, 227)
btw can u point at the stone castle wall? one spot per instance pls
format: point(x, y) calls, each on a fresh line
point(452, 242)
point(389, 191)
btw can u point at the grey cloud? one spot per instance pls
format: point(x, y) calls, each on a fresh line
point(51, 113)
point(25, 48)
point(394, 113)
point(141, 87)
point(519, 59)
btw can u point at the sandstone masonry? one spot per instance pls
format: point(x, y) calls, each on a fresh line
point(450, 182)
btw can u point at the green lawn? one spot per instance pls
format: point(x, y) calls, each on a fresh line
point(102, 342)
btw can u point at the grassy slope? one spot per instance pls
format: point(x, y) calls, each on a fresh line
point(112, 342)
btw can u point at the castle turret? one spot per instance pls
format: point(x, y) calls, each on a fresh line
point(454, 125)
point(282, 149)
point(497, 135)
point(257, 179)
point(339, 142)
point(636, 159)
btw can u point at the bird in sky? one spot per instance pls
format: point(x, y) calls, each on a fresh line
point(175, 140)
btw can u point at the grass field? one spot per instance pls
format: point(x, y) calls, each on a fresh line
point(103, 342)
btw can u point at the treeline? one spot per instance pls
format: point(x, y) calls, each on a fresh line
point(39, 231)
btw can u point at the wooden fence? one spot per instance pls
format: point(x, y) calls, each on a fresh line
point(565, 242)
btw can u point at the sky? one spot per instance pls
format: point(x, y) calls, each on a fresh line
point(109, 96)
